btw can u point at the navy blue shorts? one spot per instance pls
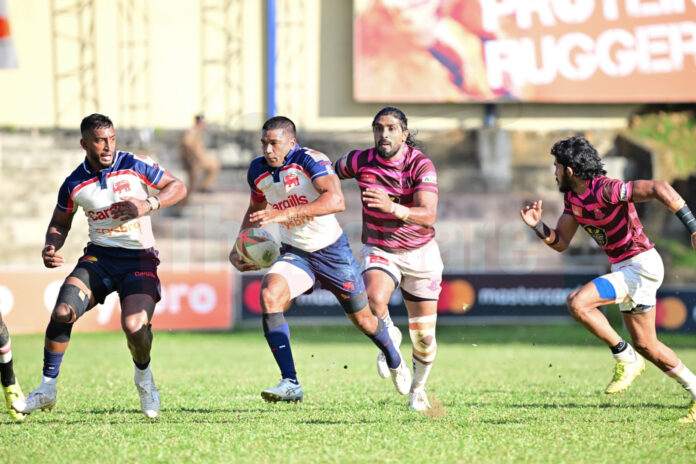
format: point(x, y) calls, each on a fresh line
point(128, 272)
point(333, 266)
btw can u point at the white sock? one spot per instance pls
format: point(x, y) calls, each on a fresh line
point(627, 355)
point(387, 320)
point(48, 380)
point(6, 353)
point(142, 375)
point(685, 377)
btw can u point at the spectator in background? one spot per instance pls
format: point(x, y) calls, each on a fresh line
point(195, 160)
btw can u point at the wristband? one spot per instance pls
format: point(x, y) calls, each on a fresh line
point(687, 218)
point(154, 203)
point(400, 211)
point(542, 230)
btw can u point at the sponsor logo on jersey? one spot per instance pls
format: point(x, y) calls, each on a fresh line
point(293, 200)
point(121, 186)
point(577, 211)
point(101, 214)
point(430, 179)
point(598, 234)
point(374, 259)
point(368, 178)
point(144, 274)
point(290, 181)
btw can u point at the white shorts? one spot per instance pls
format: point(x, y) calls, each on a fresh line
point(418, 272)
point(636, 281)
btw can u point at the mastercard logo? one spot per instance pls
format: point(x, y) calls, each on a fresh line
point(670, 313)
point(457, 297)
point(251, 296)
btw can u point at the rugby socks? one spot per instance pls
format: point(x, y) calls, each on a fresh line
point(7, 376)
point(422, 332)
point(51, 366)
point(142, 372)
point(387, 320)
point(384, 343)
point(623, 351)
point(277, 335)
point(685, 377)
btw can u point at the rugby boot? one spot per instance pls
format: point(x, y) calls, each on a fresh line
point(42, 398)
point(690, 416)
point(149, 396)
point(401, 376)
point(286, 390)
point(382, 367)
point(13, 393)
point(418, 400)
point(624, 375)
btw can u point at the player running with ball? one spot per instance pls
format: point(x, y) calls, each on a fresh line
point(605, 208)
point(297, 188)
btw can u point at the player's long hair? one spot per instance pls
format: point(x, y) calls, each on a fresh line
point(280, 122)
point(398, 114)
point(94, 121)
point(579, 155)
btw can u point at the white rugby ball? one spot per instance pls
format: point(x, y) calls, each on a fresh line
point(257, 246)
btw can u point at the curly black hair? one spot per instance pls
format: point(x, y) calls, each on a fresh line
point(579, 155)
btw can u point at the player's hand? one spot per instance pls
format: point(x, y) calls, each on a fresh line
point(531, 214)
point(693, 240)
point(51, 259)
point(268, 216)
point(129, 208)
point(240, 264)
point(378, 199)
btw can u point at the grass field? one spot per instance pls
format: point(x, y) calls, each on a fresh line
point(505, 394)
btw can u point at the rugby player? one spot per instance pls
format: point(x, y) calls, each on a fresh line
point(297, 188)
point(605, 208)
point(112, 187)
point(10, 386)
point(399, 191)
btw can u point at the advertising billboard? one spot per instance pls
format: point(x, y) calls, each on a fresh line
point(533, 51)
point(192, 299)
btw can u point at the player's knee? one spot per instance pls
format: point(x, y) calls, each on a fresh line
point(63, 313)
point(423, 340)
point(135, 326)
point(71, 304)
point(271, 300)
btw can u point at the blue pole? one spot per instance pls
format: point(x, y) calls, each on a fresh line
point(271, 38)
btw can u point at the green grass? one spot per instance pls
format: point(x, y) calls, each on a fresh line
point(505, 394)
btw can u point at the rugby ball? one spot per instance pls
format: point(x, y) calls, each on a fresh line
point(256, 246)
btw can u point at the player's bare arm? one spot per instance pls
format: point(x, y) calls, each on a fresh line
point(235, 259)
point(330, 200)
point(171, 191)
point(56, 234)
point(423, 211)
point(558, 238)
point(644, 190)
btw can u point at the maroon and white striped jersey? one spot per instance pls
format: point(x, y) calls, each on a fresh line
point(401, 179)
point(606, 211)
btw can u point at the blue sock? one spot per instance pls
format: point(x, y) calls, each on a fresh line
point(384, 343)
point(278, 340)
point(52, 361)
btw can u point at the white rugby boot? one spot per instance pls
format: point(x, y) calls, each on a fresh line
point(42, 398)
point(401, 376)
point(382, 367)
point(286, 390)
point(418, 400)
point(149, 396)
